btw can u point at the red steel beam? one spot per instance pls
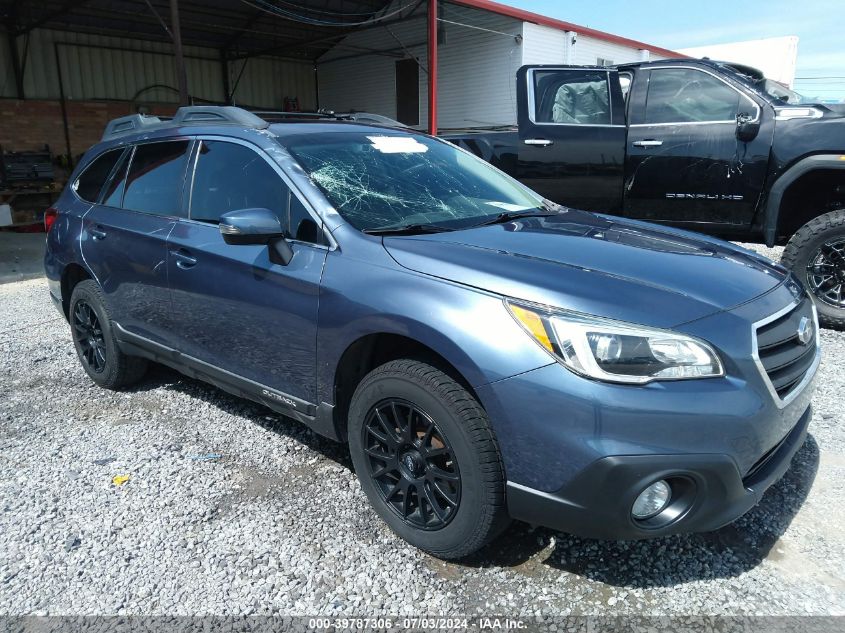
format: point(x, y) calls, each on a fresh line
point(432, 67)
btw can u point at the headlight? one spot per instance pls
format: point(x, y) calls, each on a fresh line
point(615, 351)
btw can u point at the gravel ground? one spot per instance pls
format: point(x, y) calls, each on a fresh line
point(231, 509)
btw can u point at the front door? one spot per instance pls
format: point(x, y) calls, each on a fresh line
point(572, 135)
point(685, 165)
point(124, 238)
point(234, 309)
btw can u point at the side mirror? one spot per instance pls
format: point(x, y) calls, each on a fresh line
point(257, 226)
point(746, 129)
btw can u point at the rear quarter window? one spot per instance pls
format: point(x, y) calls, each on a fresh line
point(90, 183)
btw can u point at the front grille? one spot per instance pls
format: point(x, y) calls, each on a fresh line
point(783, 357)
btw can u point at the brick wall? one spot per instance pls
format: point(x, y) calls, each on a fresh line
point(29, 124)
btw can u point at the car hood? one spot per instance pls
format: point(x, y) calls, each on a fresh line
point(622, 269)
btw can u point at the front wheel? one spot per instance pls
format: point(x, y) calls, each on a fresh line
point(427, 459)
point(816, 254)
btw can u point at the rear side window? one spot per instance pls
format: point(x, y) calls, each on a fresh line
point(575, 97)
point(229, 177)
point(89, 185)
point(156, 176)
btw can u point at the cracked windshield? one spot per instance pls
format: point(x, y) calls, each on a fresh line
point(383, 181)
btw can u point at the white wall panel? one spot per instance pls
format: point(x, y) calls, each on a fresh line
point(589, 49)
point(543, 45)
point(476, 70)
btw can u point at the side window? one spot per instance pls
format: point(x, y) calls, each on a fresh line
point(573, 97)
point(685, 95)
point(229, 177)
point(90, 183)
point(113, 195)
point(302, 226)
point(156, 175)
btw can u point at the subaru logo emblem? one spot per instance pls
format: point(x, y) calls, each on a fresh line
point(805, 330)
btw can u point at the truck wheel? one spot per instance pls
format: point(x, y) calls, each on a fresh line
point(816, 254)
point(94, 340)
point(427, 459)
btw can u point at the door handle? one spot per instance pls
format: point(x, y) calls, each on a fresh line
point(540, 142)
point(649, 142)
point(97, 233)
point(183, 259)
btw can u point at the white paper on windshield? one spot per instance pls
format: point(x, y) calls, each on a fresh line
point(397, 144)
point(508, 206)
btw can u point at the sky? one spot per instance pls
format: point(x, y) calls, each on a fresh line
point(819, 24)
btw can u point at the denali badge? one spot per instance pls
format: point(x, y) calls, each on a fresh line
point(704, 196)
point(805, 330)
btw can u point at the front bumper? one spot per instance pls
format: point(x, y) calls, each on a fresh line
point(708, 492)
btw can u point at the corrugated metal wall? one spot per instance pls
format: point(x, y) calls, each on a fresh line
point(100, 67)
point(477, 69)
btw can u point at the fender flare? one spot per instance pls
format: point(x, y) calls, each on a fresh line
point(802, 167)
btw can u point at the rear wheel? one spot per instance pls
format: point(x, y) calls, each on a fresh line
point(816, 254)
point(427, 459)
point(96, 346)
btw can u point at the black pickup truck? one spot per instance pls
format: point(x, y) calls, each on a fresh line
point(698, 144)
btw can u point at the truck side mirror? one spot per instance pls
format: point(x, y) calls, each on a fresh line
point(746, 128)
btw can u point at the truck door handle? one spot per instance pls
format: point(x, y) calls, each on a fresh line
point(541, 142)
point(649, 142)
point(183, 259)
point(97, 233)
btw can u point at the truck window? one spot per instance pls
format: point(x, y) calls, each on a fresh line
point(686, 95)
point(572, 97)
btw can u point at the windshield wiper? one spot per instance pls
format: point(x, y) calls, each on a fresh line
point(407, 229)
point(507, 216)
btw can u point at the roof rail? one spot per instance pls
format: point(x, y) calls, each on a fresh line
point(128, 124)
point(228, 115)
point(363, 117)
point(186, 115)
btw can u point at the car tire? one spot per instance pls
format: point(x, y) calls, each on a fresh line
point(449, 435)
point(812, 250)
point(93, 338)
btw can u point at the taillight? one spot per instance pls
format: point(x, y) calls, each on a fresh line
point(50, 216)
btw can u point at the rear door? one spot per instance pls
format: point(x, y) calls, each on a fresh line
point(572, 135)
point(685, 164)
point(234, 308)
point(124, 239)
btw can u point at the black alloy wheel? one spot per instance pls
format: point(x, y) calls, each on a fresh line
point(826, 273)
point(412, 464)
point(89, 335)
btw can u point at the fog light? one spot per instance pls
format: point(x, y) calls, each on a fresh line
point(652, 500)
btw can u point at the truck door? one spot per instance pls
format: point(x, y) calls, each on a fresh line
point(686, 165)
point(572, 135)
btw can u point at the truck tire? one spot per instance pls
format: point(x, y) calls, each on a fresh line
point(93, 338)
point(427, 458)
point(816, 254)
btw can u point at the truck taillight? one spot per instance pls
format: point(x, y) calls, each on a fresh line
point(50, 216)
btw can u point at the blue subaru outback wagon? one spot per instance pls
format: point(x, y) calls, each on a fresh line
point(486, 354)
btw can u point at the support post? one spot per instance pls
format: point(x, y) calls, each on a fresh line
point(181, 75)
point(16, 63)
point(432, 67)
point(224, 70)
